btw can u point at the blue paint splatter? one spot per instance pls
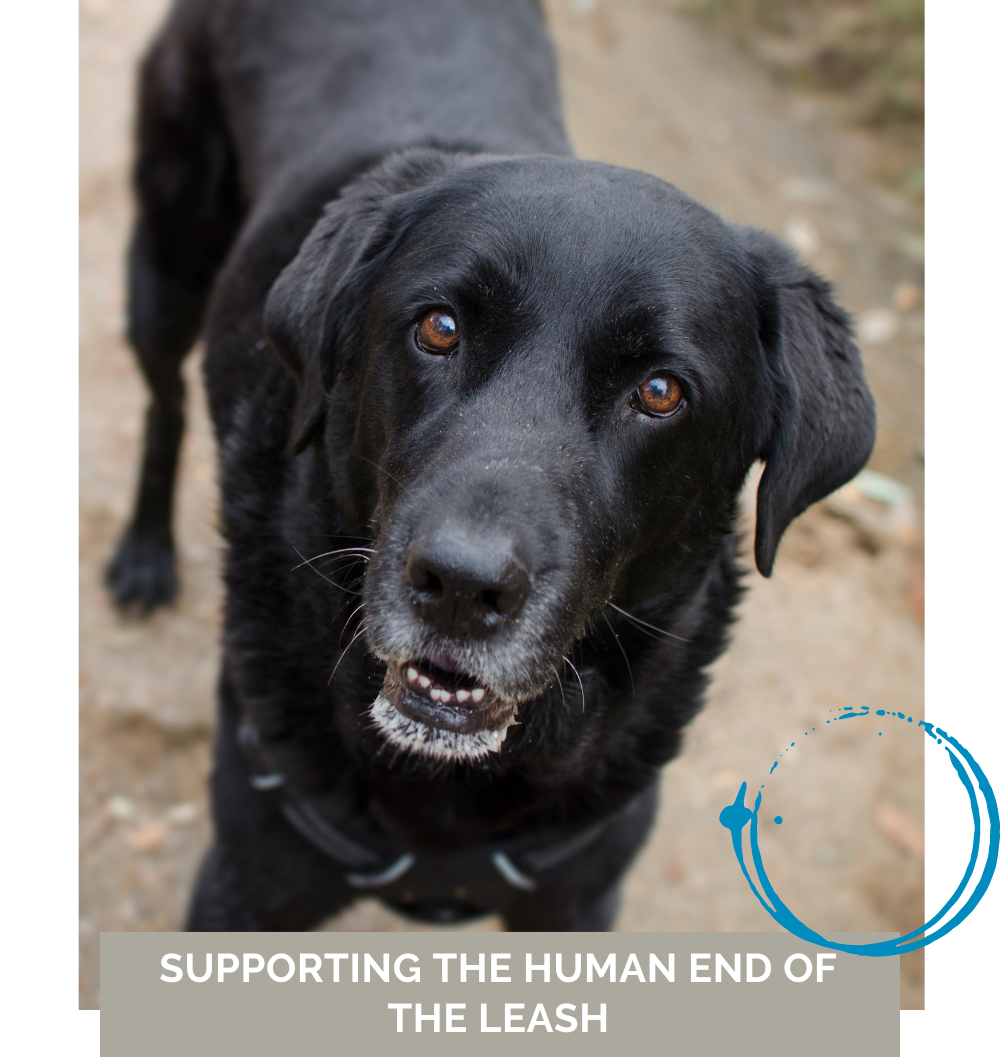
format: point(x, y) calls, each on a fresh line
point(771, 771)
point(778, 819)
point(735, 816)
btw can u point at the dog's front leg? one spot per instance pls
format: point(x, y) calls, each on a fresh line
point(261, 874)
point(279, 885)
point(219, 902)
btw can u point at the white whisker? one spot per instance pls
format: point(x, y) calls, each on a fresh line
point(382, 469)
point(583, 694)
point(308, 561)
point(559, 681)
point(349, 619)
point(344, 554)
point(622, 648)
point(650, 627)
point(344, 654)
point(360, 552)
point(353, 559)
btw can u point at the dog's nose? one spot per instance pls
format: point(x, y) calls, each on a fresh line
point(467, 582)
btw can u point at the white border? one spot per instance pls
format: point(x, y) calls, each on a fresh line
point(38, 442)
point(38, 531)
point(963, 512)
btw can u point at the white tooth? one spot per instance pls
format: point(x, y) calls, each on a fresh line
point(445, 697)
point(424, 682)
point(462, 695)
point(478, 694)
point(435, 694)
point(411, 674)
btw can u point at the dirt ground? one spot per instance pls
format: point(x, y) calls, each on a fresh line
point(838, 624)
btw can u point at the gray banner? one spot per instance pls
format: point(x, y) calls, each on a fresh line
point(268, 993)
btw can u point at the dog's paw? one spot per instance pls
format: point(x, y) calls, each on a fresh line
point(142, 574)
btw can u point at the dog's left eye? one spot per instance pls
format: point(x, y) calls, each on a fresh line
point(437, 332)
point(660, 396)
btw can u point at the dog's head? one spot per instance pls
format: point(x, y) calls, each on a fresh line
point(539, 383)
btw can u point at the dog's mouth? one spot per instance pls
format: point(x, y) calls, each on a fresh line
point(438, 694)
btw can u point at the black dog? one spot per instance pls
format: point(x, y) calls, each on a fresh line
point(480, 506)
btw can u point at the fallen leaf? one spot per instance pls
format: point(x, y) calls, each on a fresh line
point(121, 808)
point(900, 829)
point(802, 236)
point(675, 871)
point(180, 814)
point(878, 326)
point(148, 837)
point(905, 297)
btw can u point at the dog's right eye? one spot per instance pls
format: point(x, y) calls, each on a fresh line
point(660, 396)
point(437, 332)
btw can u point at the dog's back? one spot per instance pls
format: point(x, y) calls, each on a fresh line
point(253, 115)
point(305, 85)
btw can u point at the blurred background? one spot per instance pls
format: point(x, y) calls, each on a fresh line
point(803, 117)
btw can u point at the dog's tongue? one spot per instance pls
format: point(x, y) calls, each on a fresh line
point(445, 663)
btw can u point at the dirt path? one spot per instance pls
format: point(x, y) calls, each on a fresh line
point(836, 625)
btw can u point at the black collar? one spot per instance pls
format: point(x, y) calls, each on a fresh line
point(366, 866)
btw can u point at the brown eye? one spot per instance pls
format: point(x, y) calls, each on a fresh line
point(437, 332)
point(659, 396)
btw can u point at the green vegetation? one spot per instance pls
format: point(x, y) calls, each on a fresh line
point(867, 56)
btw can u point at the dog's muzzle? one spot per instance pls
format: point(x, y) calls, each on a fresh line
point(441, 712)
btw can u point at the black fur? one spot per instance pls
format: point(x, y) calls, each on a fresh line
point(351, 166)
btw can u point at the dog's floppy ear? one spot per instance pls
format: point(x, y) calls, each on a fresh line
point(822, 425)
point(295, 314)
point(310, 308)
